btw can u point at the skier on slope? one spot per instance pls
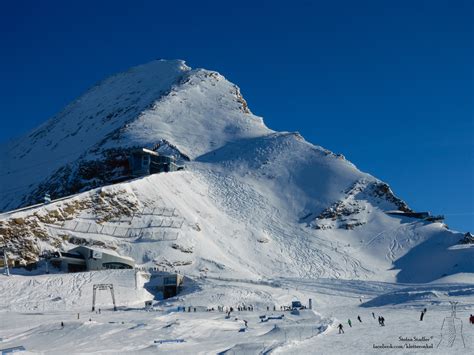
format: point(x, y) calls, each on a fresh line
point(471, 319)
point(340, 328)
point(360, 320)
point(349, 322)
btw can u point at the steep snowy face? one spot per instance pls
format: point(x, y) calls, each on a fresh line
point(161, 103)
point(304, 177)
point(86, 121)
point(200, 114)
point(310, 180)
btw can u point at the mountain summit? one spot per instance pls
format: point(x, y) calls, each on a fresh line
point(158, 103)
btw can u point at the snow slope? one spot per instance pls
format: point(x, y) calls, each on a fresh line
point(252, 203)
point(133, 330)
point(217, 221)
point(54, 292)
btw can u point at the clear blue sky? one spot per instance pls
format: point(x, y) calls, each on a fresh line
point(389, 84)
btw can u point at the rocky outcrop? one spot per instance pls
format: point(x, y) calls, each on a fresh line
point(467, 239)
point(24, 236)
point(349, 212)
point(21, 238)
point(382, 190)
point(110, 166)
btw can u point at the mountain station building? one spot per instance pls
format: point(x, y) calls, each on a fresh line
point(168, 284)
point(145, 162)
point(85, 258)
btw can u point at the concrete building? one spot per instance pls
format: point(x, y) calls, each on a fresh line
point(169, 284)
point(145, 162)
point(85, 258)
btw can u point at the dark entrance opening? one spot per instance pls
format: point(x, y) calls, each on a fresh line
point(169, 291)
point(75, 268)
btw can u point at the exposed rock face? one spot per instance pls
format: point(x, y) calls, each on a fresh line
point(23, 236)
point(383, 191)
point(467, 239)
point(83, 175)
point(340, 209)
point(112, 166)
point(350, 212)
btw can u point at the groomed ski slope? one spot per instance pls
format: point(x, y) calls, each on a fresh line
point(133, 330)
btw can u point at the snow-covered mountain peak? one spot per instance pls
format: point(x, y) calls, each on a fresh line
point(194, 111)
point(201, 113)
point(106, 106)
point(251, 202)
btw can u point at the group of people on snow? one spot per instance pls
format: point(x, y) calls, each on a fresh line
point(341, 327)
point(350, 322)
point(382, 320)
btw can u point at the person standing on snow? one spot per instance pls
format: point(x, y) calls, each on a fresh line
point(340, 328)
point(422, 314)
point(360, 320)
point(373, 315)
point(349, 322)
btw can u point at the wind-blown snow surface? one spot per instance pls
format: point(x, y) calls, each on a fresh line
point(258, 217)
